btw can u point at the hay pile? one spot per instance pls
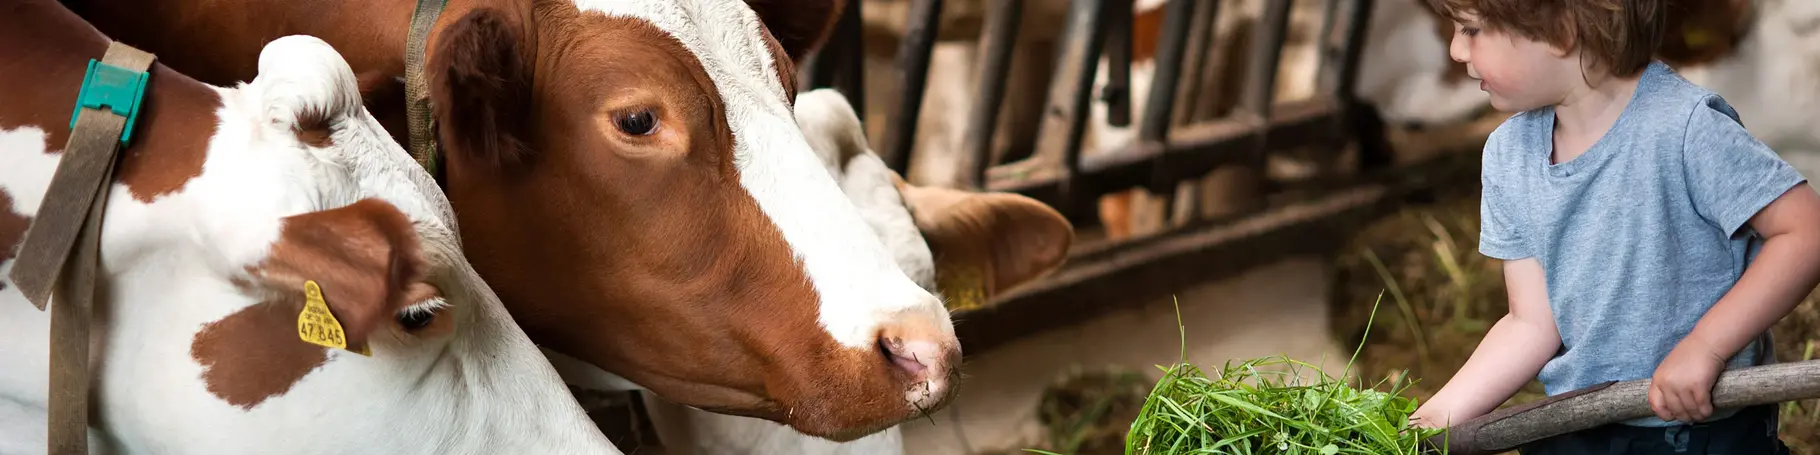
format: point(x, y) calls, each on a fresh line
point(1271, 405)
point(1253, 407)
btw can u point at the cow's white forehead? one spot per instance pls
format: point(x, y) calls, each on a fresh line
point(725, 35)
point(861, 286)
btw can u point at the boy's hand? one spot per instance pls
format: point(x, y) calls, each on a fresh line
point(1683, 384)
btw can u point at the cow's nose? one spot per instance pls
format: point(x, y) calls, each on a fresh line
point(913, 357)
point(920, 348)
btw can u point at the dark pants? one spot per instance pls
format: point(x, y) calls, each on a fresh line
point(1752, 431)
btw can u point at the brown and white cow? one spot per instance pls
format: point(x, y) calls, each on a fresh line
point(940, 236)
point(227, 200)
point(629, 178)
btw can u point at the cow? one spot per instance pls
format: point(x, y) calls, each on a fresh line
point(1405, 74)
point(1763, 56)
point(229, 205)
point(943, 238)
point(628, 177)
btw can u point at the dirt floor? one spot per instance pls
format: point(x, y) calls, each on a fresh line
point(1439, 296)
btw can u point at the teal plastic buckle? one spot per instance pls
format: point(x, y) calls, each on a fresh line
point(118, 89)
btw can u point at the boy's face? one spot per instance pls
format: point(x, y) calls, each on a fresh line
point(1519, 73)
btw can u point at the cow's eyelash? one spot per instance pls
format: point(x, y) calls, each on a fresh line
point(429, 306)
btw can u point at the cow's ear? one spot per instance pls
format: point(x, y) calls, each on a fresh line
point(479, 78)
point(383, 96)
point(365, 259)
point(996, 241)
point(800, 26)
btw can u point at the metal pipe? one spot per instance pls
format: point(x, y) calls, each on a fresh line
point(913, 75)
point(1356, 27)
point(997, 40)
point(1199, 51)
point(841, 62)
point(1059, 134)
point(1359, 118)
point(1323, 43)
point(1177, 20)
point(1117, 92)
point(1266, 55)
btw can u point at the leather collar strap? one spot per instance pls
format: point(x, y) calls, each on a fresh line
point(62, 248)
point(418, 116)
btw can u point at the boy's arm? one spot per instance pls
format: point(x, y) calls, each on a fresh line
point(1511, 354)
point(1783, 274)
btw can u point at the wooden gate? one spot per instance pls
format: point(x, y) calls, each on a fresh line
point(1103, 275)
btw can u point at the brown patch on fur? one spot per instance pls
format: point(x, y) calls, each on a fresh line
point(365, 257)
point(12, 230)
point(254, 354)
point(800, 26)
point(177, 119)
point(171, 143)
point(313, 129)
point(219, 42)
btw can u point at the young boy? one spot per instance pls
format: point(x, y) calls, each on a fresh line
point(1626, 204)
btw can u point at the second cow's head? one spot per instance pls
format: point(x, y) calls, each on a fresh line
point(629, 177)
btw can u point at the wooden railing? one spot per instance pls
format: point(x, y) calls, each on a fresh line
point(1169, 148)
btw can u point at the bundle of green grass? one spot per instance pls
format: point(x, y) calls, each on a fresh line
point(1269, 406)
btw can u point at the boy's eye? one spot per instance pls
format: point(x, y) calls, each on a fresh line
point(1469, 31)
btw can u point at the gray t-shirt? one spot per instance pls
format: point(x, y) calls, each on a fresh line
point(1639, 235)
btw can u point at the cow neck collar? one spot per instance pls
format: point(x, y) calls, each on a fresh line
point(418, 119)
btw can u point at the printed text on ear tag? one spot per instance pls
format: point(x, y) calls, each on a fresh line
point(317, 325)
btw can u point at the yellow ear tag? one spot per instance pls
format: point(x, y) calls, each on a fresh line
point(1696, 37)
point(963, 286)
point(318, 326)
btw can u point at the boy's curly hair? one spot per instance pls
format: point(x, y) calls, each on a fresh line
point(1620, 35)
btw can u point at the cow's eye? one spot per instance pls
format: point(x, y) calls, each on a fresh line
point(416, 318)
point(636, 123)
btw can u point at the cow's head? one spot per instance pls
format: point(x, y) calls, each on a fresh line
point(300, 202)
point(629, 177)
point(1013, 238)
point(1703, 31)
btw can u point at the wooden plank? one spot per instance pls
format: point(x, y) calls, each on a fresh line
point(1191, 152)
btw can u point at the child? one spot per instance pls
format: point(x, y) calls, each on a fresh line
point(1626, 203)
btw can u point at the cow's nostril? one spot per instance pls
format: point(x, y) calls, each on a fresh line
point(911, 356)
